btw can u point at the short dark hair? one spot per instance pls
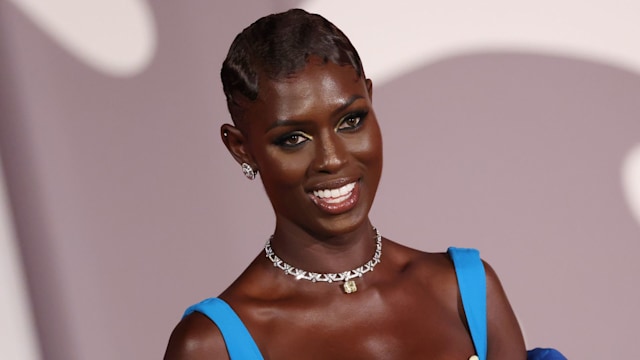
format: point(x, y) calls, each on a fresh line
point(278, 46)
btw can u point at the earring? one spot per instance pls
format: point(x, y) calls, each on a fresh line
point(248, 171)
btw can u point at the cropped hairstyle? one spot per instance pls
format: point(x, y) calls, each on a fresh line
point(277, 46)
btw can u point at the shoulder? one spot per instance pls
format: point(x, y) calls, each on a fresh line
point(505, 340)
point(504, 334)
point(196, 337)
point(430, 271)
point(424, 264)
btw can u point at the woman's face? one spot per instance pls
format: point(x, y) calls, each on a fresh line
point(315, 140)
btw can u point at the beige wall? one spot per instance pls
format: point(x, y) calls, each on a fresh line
point(511, 129)
point(17, 329)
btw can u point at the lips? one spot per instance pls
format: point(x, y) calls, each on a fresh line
point(336, 200)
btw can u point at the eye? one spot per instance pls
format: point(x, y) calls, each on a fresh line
point(352, 121)
point(292, 140)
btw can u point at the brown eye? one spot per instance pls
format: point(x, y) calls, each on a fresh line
point(352, 121)
point(292, 140)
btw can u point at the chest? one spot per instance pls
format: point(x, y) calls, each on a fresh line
point(368, 331)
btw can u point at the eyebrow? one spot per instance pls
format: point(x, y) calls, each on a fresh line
point(288, 122)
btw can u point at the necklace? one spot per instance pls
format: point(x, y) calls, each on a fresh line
point(349, 285)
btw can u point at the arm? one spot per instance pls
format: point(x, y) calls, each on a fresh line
point(505, 339)
point(196, 338)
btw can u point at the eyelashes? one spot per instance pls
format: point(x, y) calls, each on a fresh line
point(292, 140)
point(352, 121)
point(349, 123)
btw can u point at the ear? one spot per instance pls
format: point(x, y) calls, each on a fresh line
point(369, 88)
point(236, 143)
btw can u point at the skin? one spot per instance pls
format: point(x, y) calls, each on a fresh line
point(316, 130)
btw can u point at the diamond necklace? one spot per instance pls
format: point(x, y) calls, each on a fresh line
point(349, 285)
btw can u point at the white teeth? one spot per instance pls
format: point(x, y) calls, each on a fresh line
point(334, 193)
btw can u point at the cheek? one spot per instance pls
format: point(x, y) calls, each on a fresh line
point(369, 149)
point(283, 170)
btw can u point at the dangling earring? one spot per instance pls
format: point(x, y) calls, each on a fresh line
point(248, 171)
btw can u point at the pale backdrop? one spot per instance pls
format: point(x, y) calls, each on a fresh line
point(510, 128)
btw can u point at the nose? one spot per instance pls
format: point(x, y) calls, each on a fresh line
point(330, 153)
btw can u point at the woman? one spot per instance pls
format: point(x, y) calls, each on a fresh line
point(303, 119)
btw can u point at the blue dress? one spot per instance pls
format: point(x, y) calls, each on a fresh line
point(240, 344)
point(471, 282)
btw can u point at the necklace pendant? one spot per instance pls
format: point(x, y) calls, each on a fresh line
point(350, 286)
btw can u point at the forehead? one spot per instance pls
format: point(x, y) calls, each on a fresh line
point(316, 88)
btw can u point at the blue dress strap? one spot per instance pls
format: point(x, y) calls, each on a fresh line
point(473, 291)
point(240, 344)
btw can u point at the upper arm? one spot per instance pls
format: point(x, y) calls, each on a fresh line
point(196, 338)
point(505, 339)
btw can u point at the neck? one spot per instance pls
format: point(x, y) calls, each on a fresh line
point(324, 253)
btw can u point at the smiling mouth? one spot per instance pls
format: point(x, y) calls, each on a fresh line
point(335, 195)
point(338, 200)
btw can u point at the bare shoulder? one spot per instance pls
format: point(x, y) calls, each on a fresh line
point(432, 270)
point(505, 340)
point(434, 263)
point(436, 272)
point(196, 337)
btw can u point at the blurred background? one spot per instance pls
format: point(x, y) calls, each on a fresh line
point(513, 128)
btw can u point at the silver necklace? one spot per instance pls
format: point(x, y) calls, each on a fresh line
point(349, 285)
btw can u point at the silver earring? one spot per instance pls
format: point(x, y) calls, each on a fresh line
point(248, 171)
